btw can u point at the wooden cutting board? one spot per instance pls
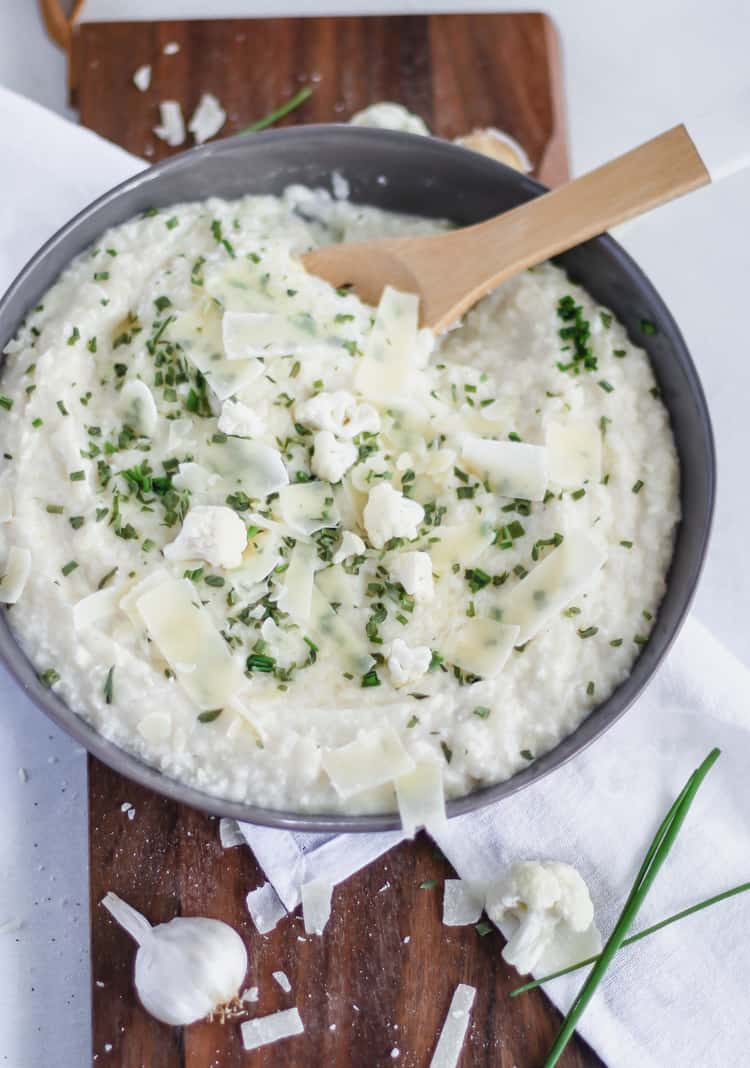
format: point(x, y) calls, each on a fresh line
point(382, 976)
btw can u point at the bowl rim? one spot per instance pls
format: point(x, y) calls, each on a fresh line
point(599, 720)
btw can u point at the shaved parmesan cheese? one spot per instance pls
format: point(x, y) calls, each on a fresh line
point(421, 801)
point(190, 643)
point(15, 573)
point(575, 454)
point(316, 905)
point(451, 1040)
point(339, 587)
point(6, 505)
point(250, 466)
point(390, 349)
point(552, 585)
point(351, 545)
point(208, 118)
point(308, 506)
point(138, 407)
point(264, 1030)
point(331, 631)
point(96, 606)
point(514, 469)
point(480, 646)
point(196, 479)
point(373, 758)
point(155, 727)
point(199, 334)
point(129, 602)
point(265, 908)
point(251, 994)
point(230, 834)
point(463, 901)
point(295, 585)
point(142, 77)
point(257, 335)
point(461, 544)
point(260, 558)
point(172, 126)
point(283, 980)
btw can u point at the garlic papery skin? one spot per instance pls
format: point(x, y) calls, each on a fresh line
point(185, 969)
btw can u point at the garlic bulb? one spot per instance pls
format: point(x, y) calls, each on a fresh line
point(185, 969)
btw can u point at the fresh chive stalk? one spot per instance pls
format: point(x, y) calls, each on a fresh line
point(279, 112)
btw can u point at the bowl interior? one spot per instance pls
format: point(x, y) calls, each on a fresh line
point(423, 176)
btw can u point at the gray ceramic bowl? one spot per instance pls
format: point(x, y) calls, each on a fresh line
point(427, 177)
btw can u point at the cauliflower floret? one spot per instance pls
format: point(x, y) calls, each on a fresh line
point(331, 458)
point(338, 412)
point(239, 420)
point(414, 571)
point(388, 116)
point(545, 910)
point(408, 664)
point(388, 514)
point(351, 545)
point(212, 533)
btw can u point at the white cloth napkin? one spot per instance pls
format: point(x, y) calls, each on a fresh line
point(678, 998)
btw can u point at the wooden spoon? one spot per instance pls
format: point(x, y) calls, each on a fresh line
point(451, 271)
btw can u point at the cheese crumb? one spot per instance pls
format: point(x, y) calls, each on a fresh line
point(408, 664)
point(331, 458)
point(283, 980)
point(414, 571)
point(171, 48)
point(266, 1029)
point(172, 126)
point(212, 533)
point(388, 514)
point(142, 77)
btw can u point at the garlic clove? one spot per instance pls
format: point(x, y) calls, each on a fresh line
point(186, 969)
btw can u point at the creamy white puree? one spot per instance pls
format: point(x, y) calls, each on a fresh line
point(349, 501)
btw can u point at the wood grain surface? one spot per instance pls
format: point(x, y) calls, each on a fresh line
point(382, 976)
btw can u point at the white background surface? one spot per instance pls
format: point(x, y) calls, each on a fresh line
point(630, 71)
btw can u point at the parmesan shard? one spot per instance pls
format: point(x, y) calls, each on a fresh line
point(259, 335)
point(129, 600)
point(138, 407)
point(575, 454)
point(295, 585)
point(142, 77)
point(462, 544)
point(264, 1030)
point(308, 506)
point(374, 757)
point(14, 574)
point(199, 334)
point(265, 908)
point(186, 637)
point(451, 1040)
point(552, 585)
point(390, 349)
point(259, 558)
point(421, 801)
point(329, 630)
point(316, 905)
point(463, 901)
point(340, 587)
point(513, 469)
point(481, 646)
point(97, 606)
point(249, 467)
point(283, 980)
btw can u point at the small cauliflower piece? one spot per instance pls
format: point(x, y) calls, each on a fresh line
point(497, 145)
point(212, 533)
point(239, 421)
point(208, 118)
point(338, 412)
point(331, 458)
point(389, 116)
point(388, 514)
point(172, 126)
point(351, 545)
point(142, 77)
point(545, 910)
point(414, 571)
point(408, 664)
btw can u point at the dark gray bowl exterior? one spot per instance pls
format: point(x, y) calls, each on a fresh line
point(426, 177)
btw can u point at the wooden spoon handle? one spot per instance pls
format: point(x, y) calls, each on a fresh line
point(484, 255)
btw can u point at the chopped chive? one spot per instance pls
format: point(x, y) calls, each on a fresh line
point(587, 632)
point(648, 327)
point(210, 716)
point(590, 689)
point(69, 567)
point(214, 580)
point(626, 544)
point(279, 112)
point(370, 679)
point(49, 677)
point(76, 521)
point(638, 486)
point(482, 711)
point(606, 386)
point(6, 402)
point(577, 494)
point(77, 476)
point(109, 686)
point(447, 752)
point(55, 509)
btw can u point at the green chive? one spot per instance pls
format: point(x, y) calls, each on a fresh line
point(69, 567)
point(280, 112)
point(5, 402)
point(49, 677)
point(209, 717)
point(606, 386)
point(109, 686)
point(587, 632)
point(638, 486)
point(482, 711)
